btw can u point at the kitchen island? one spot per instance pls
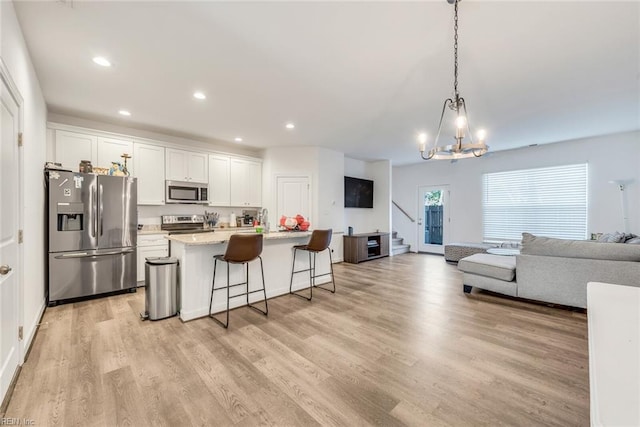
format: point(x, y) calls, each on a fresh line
point(195, 253)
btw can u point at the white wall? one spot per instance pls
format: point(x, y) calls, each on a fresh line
point(331, 190)
point(609, 157)
point(325, 169)
point(301, 161)
point(16, 57)
point(379, 218)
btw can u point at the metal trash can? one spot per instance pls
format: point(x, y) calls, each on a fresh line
point(161, 287)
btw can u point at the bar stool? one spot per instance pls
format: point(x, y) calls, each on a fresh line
point(241, 249)
point(319, 241)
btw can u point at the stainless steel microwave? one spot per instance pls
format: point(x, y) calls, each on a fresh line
point(186, 192)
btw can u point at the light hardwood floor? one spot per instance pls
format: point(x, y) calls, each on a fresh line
point(399, 343)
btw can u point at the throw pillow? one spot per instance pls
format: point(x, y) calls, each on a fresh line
point(634, 241)
point(612, 238)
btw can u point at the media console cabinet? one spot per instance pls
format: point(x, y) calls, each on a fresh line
point(365, 246)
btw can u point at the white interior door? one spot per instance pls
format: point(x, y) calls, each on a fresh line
point(293, 196)
point(9, 224)
point(433, 218)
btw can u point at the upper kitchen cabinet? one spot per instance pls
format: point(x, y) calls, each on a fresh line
point(186, 166)
point(72, 147)
point(148, 163)
point(110, 150)
point(219, 180)
point(246, 183)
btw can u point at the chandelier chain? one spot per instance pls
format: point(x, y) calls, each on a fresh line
point(455, 51)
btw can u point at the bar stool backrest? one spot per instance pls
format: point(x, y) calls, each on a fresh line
point(320, 240)
point(243, 248)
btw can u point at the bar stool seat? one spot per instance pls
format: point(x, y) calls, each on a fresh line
point(241, 249)
point(319, 242)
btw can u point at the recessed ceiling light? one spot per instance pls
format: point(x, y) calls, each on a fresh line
point(290, 126)
point(102, 61)
point(199, 95)
point(124, 113)
point(237, 139)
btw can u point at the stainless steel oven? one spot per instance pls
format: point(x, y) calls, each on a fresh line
point(186, 192)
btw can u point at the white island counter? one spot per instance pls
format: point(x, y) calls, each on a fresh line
point(195, 253)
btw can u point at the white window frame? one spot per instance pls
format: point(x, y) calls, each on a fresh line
point(550, 201)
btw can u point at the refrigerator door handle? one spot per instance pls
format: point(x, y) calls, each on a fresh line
point(92, 212)
point(100, 194)
point(87, 255)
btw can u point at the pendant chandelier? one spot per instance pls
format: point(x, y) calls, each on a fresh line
point(462, 147)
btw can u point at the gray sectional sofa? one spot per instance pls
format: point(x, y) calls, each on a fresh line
point(553, 270)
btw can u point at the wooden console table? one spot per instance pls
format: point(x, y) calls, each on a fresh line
point(365, 246)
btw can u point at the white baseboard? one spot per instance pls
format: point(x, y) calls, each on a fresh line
point(30, 332)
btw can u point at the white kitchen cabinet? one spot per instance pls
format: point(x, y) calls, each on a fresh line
point(149, 166)
point(197, 167)
point(186, 166)
point(219, 180)
point(150, 245)
point(110, 150)
point(72, 147)
point(246, 183)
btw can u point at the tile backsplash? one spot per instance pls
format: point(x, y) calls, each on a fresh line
point(148, 215)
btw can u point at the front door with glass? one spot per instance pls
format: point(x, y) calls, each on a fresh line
point(433, 218)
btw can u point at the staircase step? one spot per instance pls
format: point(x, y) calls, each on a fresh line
point(394, 234)
point(400, 249)
point(397, 241)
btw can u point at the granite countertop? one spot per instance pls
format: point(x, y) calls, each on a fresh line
point(218, 237)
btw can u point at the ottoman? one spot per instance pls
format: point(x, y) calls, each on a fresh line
point(454, 252)
point(495, 273)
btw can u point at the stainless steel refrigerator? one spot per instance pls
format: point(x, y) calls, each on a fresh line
point(92, 234)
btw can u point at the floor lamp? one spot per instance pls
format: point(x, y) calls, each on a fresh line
point(621, 183)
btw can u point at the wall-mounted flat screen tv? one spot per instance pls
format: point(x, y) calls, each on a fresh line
point(358, 193)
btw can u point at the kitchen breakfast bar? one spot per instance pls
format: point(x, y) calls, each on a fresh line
point(195, 254)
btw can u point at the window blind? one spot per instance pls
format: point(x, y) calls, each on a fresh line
point(546, 201)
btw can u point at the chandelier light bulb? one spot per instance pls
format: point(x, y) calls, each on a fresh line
point(422, 139)
point(482, 135)
point(461, 122)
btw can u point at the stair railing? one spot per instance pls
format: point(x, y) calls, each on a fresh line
point(403, 211)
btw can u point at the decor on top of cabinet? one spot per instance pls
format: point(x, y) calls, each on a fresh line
point(101, 171)
point(85, 166)
point(125, 156)
point(297, 223)
point(117, 169)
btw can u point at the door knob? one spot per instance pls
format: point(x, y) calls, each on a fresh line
point(4, 269)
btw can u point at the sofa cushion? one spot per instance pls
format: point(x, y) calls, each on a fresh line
point(548, 246)
point(612, 238)
point(454, 252)
point(496, 266)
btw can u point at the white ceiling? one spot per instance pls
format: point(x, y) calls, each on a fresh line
point(359, 77)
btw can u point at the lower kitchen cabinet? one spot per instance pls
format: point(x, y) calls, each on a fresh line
point(150, 245)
